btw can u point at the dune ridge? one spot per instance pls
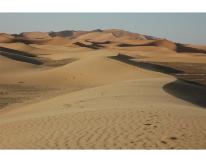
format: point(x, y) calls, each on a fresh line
point(111, 35)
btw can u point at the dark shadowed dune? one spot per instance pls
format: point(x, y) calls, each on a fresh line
point(192, 93)
point(146, 65)
point(131, 45)
point(193, 72)
point(92, 46)
point(20, 56)
point(23, 58)
point(97, 30)
point(65, 33)
point(9, 50)
point(184, 48)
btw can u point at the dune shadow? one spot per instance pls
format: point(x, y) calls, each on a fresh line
point(146, 65)
point(190, 92)
point(65, 33)
point(134, 45)
point(8, 50)
point(99, 42)
point(187, 90)
point(183, 48)
point(22, 58)
point(92, 46)
point(33, 59)
point(180, 48)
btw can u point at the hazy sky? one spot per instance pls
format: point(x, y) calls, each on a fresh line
point(185, 28)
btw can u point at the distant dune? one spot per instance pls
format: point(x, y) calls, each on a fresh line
point(177, 47)
point(125, 38)
point(66, 33)
point(32, 37)
point(18, 46)
point(6, 38)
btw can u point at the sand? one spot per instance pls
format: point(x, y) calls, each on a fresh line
point(94, 101)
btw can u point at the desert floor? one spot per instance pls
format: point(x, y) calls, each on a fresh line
point(84, 98)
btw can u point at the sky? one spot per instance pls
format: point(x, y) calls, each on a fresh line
point(179, 27)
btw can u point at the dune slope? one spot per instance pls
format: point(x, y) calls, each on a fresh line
point(136, 113)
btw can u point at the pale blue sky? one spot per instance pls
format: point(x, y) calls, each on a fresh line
point(185, 28)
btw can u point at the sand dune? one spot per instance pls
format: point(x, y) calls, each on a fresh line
point(18, 46)
point(128, 35)
point(112, 35)
point(31, 58)
point(6, 38)
point(35, 35)
point(103, 89)
point(114, 116)
point(32, 37)
point(185, 48)
point(177, 47)
point(95, 36)
point(30, 48)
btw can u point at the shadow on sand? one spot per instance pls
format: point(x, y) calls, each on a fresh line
point(179, 47)
point(146, 65)
point(183, 89)
point(33, 59)
point(20, 57)
point(92, 46)
point(195, 94)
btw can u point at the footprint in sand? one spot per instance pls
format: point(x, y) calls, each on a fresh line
point(148, 124)
point(173, 138)
point(164, 142)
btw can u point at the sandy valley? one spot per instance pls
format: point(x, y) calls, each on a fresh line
point(101, 89)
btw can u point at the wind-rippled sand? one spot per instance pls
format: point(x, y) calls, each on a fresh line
point(133, 114)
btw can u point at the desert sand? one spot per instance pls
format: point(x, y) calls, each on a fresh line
point(101, 89)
